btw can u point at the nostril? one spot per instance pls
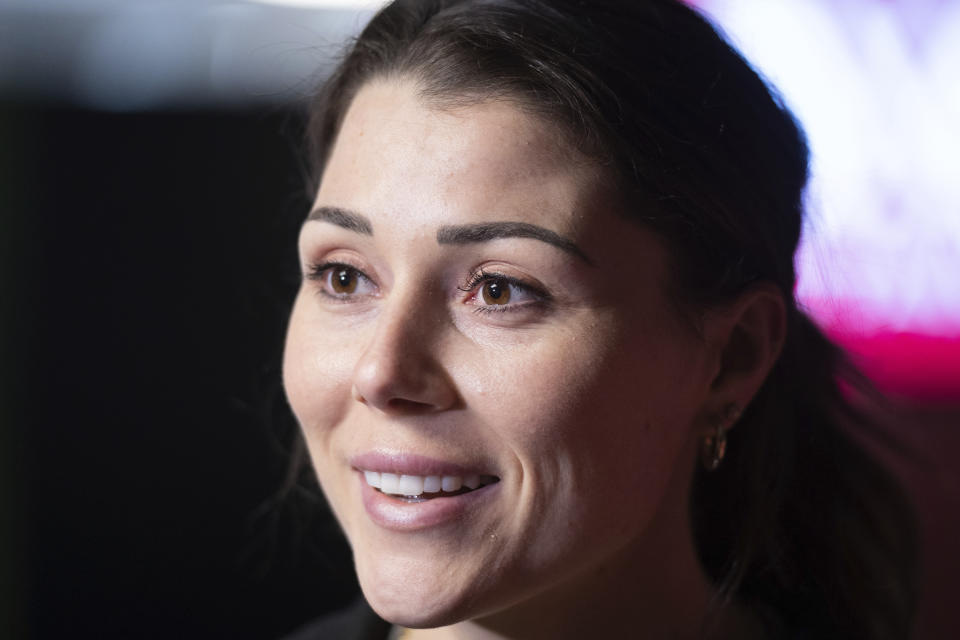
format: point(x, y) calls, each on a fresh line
point(402, 378)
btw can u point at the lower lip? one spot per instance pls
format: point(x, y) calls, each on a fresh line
point(398, 515)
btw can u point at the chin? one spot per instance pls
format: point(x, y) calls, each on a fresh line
point(409, 607)
point(403, 593)
point(403, 616)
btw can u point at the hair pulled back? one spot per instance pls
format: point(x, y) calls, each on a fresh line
point(798, 522)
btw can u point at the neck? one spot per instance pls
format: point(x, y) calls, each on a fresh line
point(654, 588)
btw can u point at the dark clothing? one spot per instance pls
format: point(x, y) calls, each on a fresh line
point(358, 622)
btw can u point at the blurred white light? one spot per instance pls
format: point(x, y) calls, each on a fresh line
point(125, 55)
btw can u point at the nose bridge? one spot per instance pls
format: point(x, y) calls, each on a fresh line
point(399, 335)
point(400, 367)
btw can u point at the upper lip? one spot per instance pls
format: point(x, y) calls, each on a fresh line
point(414, 464)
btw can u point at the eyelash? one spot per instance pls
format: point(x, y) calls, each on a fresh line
point(481, 277)
point(318, 272)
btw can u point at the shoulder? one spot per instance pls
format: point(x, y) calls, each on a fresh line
point(358, 622)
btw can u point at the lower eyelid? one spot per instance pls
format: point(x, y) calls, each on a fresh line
point(510, 308)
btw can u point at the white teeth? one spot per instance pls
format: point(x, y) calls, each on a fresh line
point(451, 483)
point(373, 478)
point(408, 485)
point(389, 483)
point(411, 485)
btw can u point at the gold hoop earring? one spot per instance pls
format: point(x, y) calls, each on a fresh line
point(714, 447)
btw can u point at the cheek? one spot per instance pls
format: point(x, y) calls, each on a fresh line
point(607, 384)
point(597, 420)
point(316, 371)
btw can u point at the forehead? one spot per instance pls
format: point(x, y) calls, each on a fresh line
point(399, 161)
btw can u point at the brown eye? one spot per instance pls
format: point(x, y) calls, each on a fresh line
point(495, 292)
point(343, 280)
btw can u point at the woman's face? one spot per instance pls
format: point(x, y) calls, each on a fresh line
point(478, 312)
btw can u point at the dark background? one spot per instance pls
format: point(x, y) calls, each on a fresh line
point(148, 264)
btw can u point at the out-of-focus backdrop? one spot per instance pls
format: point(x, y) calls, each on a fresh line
point(151, 189)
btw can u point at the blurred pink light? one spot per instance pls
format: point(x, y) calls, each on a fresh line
point(918, 366)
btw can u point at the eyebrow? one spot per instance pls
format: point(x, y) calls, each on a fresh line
point(486, 231)
point(349, 220)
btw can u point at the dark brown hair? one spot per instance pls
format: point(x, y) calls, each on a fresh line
point(799, 522)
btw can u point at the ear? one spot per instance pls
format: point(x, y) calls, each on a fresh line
point(747, 335)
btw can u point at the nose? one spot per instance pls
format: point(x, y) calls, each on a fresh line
point(400, 369)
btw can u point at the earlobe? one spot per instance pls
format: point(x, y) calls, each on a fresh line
point(749, 335)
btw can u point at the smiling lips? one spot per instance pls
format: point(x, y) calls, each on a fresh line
point(425, 487)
